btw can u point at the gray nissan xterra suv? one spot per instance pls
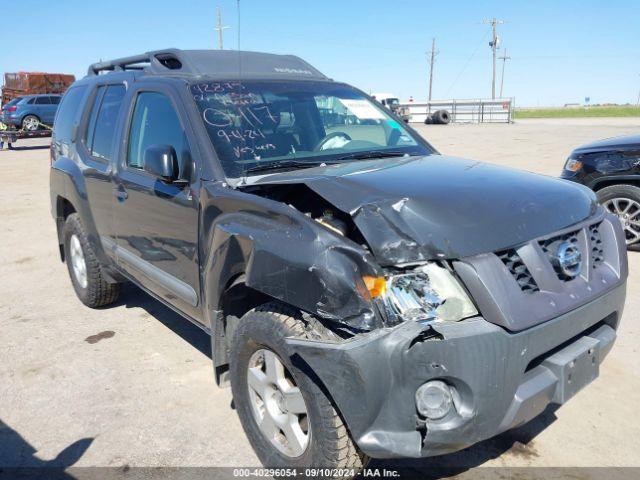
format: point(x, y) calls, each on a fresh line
point(365, 295)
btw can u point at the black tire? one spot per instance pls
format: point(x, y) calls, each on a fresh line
point(330, 444)
point(97, 292)
point(622, 191)
point(428, 120)
point(26, 121)
point(441, 117)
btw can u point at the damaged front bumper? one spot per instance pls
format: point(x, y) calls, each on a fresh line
point(502, 379)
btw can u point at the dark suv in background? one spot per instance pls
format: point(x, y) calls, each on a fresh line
point(31, 111)
point(365, 295)
point(611, 168)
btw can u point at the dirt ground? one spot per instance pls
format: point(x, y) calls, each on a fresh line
point(133, 385)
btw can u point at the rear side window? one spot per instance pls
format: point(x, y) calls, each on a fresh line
point(55, 100)
point(155, 122)
point(43, 101)
point(102, 122)
point(13, 102)
point(68, 113)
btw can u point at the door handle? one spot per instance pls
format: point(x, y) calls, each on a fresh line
point(120, 193)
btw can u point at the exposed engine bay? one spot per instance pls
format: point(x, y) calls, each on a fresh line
point(305, 200)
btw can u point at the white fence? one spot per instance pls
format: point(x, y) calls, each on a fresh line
point(465, 111)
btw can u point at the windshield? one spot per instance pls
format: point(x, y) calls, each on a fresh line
point(261, 125)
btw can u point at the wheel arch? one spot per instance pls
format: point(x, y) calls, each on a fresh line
point(255, 250)
point(63, 208)
point(236, 300)
point(618, 180)
point(68, 195)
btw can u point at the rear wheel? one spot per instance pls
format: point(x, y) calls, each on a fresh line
point(624, 202)
point(287, 418)
point(84, 269)
point(30, 123)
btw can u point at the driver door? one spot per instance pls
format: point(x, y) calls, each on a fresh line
point(156, 222)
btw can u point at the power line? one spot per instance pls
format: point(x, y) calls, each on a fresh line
point(467, 63)
point(220, 28)
point(433, 56)
point(504, 59)
point(494, 47)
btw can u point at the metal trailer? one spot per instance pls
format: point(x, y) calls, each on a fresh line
point(465, 111)
point(32, 83)
point(12, 136)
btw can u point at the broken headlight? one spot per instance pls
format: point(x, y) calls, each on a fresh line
point(429, 292)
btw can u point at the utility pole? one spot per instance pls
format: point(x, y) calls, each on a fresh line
point(433, 57)
point(494, 47)
point(504, 59)
point(220, 28)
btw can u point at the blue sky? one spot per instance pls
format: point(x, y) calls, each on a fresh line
point(562, 51)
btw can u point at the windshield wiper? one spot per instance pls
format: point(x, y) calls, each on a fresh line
point(302, 164)
point(283, 164)
point(371, 154)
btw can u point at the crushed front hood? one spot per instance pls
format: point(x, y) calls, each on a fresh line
point(420, 208)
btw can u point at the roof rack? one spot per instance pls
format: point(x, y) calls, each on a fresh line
point(215, 63)
point(151, 61)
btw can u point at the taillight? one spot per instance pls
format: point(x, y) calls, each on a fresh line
point(12, 108)
point(51, 155)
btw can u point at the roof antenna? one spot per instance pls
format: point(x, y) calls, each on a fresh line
point(238, 9)
point(239, 55)
point(243, 180)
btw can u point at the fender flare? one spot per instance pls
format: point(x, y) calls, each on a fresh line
point(613, 179)
point(67, 182)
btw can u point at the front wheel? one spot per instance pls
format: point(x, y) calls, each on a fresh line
point(287, 418)
point(624, 202)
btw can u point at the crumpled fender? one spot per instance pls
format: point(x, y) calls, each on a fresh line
point(284, 254)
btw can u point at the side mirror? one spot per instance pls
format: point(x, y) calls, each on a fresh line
point(161, 161)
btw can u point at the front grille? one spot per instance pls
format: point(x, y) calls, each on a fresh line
point(519, 270)
point(597, 249)
point(588, 239)
point(550, 246)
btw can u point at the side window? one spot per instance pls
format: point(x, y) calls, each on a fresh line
point(31, 101)
point(43, 101)
point(156, 122)
point(55, 100)
point(68, 113)
point(95, 109)
point(102, 125)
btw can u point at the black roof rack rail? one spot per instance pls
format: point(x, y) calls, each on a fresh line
point(216, 63)
point(161, 60)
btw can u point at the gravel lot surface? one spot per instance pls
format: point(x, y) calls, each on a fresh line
point(133, 384)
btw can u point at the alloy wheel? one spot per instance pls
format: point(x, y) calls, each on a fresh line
point(277, 404)
point(628, 212)
point(31, 124)
point(77, 261)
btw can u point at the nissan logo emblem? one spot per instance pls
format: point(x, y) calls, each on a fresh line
point(569, 259)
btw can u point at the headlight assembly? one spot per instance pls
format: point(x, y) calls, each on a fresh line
point(429, 292)
point(573, 165)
